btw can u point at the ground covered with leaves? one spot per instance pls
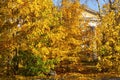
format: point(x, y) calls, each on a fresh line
point(69, 76)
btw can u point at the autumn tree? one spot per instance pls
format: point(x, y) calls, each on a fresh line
point(24, 30)
point(70, 40)
point(109, 39)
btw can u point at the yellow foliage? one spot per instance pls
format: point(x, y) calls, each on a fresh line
point(108, 37)
point(44, 51)
point(20, 1)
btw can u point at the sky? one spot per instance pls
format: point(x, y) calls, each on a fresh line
point(90, 3)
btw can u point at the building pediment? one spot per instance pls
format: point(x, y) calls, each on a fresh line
point(91, 16)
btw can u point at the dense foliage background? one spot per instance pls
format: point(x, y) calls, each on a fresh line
point(37, 37)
